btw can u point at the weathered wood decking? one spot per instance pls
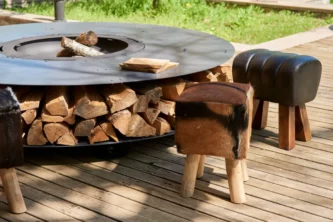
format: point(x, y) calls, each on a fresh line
point(292, 185)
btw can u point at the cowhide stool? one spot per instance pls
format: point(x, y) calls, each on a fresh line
point(287, 79)
point(214, 119)
point(11, 149)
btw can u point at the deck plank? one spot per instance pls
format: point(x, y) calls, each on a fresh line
point(144, 185)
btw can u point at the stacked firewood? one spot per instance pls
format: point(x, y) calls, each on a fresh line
point(65, 115)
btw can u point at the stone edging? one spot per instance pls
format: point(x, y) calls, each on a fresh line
point(277, 44)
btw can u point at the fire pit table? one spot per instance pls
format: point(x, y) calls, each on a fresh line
point(28, 56)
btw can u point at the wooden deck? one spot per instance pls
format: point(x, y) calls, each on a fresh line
point(292, 185)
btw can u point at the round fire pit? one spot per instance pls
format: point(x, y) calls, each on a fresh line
point(28, 56)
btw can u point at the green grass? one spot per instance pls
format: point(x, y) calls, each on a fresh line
point(237, 24)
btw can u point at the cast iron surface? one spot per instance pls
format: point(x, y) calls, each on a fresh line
point(194, 51)
point(106, 143)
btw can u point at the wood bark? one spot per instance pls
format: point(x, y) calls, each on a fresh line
point(109, 130)
point(79, 49)
point(35, 133)
point(97, 135)
point(119, 97)
point(29, 116)
point(56, 101)
point(171, 89)
point(161, 126)
point(150, 115)
point(138, 127)
point(67, 139)
point(31, 100)
point(53, 131)
point(121, 120)
point(141, 104)
point(84, 127)
point(89, 103)
point(87, 38)
point(166, 107)
point(152, 91)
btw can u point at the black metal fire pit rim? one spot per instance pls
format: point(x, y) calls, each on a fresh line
point(101, 144)
point(9, 48)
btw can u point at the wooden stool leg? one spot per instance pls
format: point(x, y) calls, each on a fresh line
point(235, 180)
point(201, 166)
point(244, 170)
point(12, 190)
point(303, 131)
point(190, 173)
point(260, 114)
point(286, 127)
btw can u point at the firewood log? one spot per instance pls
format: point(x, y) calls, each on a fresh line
point(150, 115)
point(120, 120)
point(141, 105)
point(54, 131)
point(166, 107)
point(138, 127)
point(97, 135)
point(87, 38)
point(151, 90)
point(84, 127)
point(172, 88)
point(29, 116)
point(161, 126)
point(88, 102)
point(79, 49)
point(67, 139)
point(56, 101)
point(109, 130)
point(119, 97)
point(170, 119)
point(24, 128)
point(35, 134)
point(31, 100)
point(48, 118)
point(70, 118)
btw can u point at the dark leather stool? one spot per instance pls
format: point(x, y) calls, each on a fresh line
point(11, 149)
point(215, 119)
point(287, 79)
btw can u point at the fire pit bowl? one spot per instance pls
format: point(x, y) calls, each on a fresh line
point(28, 56)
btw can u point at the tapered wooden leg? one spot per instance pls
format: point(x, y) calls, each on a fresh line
point(244, 170)
point(235, 180)
point(190, 174)
point(12, 190)
point(286, 127)
point(260, 114)
point(201, 166)
point(303, 131)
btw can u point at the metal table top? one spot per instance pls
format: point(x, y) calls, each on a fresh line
point(194, 51)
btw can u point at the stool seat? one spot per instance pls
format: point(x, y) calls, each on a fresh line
point(283, 78)
point(214, 119)
point(219, 111)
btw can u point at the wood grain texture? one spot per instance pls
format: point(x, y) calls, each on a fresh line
point(286, 127)
point(302, 125)
point(260, 113)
